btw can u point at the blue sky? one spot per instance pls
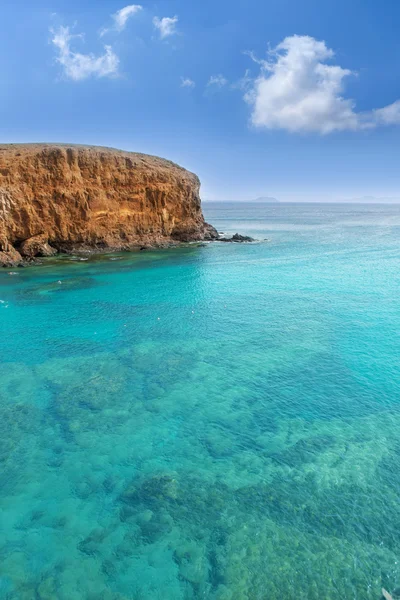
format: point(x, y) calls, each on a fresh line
point(286, 98)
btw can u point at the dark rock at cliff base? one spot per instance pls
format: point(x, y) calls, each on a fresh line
point(210, 233)
point(37, 245)
point(183, 234)
point(237, 238)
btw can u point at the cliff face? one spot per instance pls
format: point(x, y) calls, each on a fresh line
point(74, 197)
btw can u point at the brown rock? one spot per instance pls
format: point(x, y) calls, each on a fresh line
point(38, 245)
point(10, 258)
point(94, 198)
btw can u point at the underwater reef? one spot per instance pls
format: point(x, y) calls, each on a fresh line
point(217, 423)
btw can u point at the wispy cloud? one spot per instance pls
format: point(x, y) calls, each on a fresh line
point(244, 83)
point(121, 17)
point(217, 80)
point(166, 26)
point(188, 83)
point(298, 91)
point(77, 66)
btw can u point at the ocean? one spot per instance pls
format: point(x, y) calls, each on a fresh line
point(218, 422)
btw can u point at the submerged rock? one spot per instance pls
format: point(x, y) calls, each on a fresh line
point(304, 451)
point(59, 286)
point(154, 489)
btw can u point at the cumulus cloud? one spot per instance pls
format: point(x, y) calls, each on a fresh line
point(166, 26)
point(79, 66)
point(186, 82)
point(299, 91)
point(217, 80)
point(121, 17)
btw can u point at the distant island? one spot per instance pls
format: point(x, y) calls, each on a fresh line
point(268, 199)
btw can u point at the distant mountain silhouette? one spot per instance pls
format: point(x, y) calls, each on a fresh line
point(268, 199)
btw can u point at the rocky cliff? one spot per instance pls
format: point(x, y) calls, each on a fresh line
point(76, 198)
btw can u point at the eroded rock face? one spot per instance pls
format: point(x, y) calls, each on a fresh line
point(38, 245)
point(76, 197)
point(10, 257)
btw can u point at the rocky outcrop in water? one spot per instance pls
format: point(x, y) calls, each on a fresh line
point(77, 198)
point(237, 238)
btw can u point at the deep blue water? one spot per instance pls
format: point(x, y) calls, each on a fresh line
point(218, 422)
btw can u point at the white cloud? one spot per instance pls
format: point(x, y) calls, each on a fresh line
point(298, 91)
point(166, 26)
point(79, 66)
point(389, 115)
point(218, 80)
point(186, 82)
point(121, 17)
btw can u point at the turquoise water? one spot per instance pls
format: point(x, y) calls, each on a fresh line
point(217, 422)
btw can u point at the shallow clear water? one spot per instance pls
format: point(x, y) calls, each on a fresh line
point(216, 422)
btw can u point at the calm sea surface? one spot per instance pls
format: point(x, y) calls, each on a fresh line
point(217, 422)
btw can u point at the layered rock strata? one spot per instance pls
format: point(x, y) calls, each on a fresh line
point(81, 198)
